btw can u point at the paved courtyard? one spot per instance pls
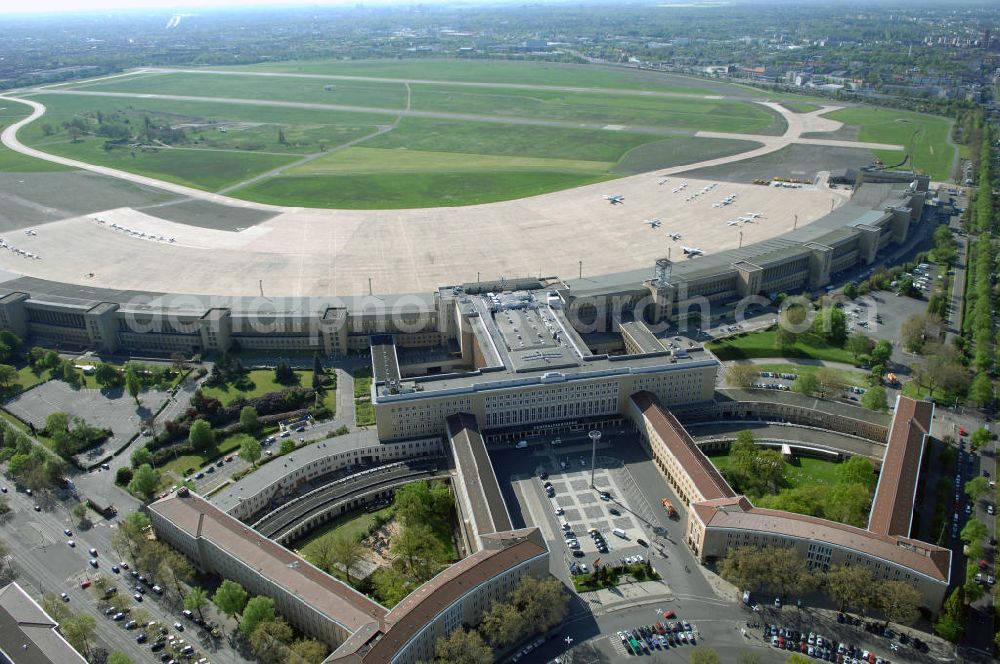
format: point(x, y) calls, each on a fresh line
point(111, 409)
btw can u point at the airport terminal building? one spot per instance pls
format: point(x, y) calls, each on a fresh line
point(442, 324)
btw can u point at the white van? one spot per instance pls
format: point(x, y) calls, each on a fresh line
point(522, 444)
point(620, 533)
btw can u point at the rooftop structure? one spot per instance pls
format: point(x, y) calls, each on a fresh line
point(893, 504)
point(28, 635)
point(480, 501)
point(718, 519)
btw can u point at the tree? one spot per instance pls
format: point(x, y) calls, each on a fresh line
point(940, 369)
point(850, 290)
point(79, 631)
point(741, 375)
point(979, 438)
point(899, 602)
point(346, 551)
point(875, 398)
point(258, 610)
point(950, 624)
point(857, 470)
point(231, 599)
point(270, 640)
point(55, 607)
point(106, 375)
point(745, 567)
point(849, 586)
point(502, 625)
point(281, 136)
point(123, 476)
point(919, 329)
point(981, 389)
point(250, 450)
point(703, 655)
point(249, 419)
point(287, 445)
point(848, 503)
point(974, 531)
point(141, 456)
point(829, 380)
point(201, 435)
point(461, 647)
point(796, 658)
point(306, 651)
point(56, 422)
point(806, 384)
point(419, 549)
point(132, 382)
point(283, 374)
point(144, 482)
point(830, 323)
point(882, 352)
point(118, 657)
point(80, 512)
point(8, 375)
point(859, 344)
point(391, 585)
point(69, 373)
point(196, 600)
point(977, 487)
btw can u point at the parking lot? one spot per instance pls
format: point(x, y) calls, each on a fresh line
point(109, 409)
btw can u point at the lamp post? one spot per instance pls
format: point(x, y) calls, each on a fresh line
point(595, 436)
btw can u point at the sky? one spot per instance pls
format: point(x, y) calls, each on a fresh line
point(78, 6)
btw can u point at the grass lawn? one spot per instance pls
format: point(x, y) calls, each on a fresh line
point(849, 377)
point(353, 525)
point(762, 344)
point(15, 162)
point(202, 169)
point(678, 151)
point(928, 135)
point(401, 160)
point(318, 91)
point(914, 391)
point(488, 138)
point(364, 413)
point(488, 71)
point(804, 471)
point(411, 190)
point(249, 128)
point(585, 582)
point(183, 465)
point(263, 381)
point(362, 382)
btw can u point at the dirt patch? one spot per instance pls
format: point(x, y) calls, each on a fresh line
point(377, 544)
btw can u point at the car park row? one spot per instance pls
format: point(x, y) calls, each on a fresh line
point(658, 636)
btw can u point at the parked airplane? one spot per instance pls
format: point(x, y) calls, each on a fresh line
point(754, 215)
point(28, 231)
point(614, 199)
point(674, 236)
point(653, 223)
point(693, 251)
point(733, 222)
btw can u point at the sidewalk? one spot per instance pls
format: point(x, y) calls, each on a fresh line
point(626, 595)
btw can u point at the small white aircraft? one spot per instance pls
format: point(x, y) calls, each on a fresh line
point(664, 181)
point(733, 222)
point(614, 199)
point(28, 231)
point(674, 236)
point(653, 223)
point(754, 215)
point(693, 251)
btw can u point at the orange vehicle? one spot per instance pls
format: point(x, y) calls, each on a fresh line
point(669, 506)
